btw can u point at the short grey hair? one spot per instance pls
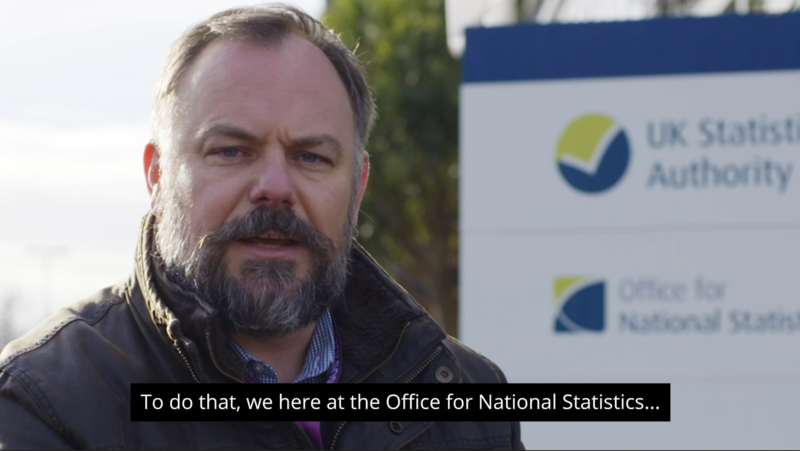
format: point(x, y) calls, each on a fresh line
point(266, 24)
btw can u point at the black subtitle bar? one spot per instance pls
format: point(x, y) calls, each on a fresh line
point(400, 402)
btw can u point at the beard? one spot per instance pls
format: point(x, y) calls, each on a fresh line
point(265, 298)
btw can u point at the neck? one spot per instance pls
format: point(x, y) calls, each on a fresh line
point(286, 355)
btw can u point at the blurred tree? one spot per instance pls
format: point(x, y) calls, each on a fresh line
point(528, 9)
point(673, 7)
point(410, 211)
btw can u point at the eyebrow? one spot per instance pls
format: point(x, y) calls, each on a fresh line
point(317, 141)
point(231, 131)
point(225, 130)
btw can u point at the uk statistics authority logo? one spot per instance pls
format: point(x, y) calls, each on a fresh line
point(593, 153)
point(580, 303)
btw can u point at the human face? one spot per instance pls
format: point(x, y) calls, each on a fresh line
point(264, 126)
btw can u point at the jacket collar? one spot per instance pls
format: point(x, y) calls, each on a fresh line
point(384, 333)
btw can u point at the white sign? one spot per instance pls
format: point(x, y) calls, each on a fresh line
point(639, 229)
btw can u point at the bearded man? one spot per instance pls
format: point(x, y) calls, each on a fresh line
point(246, 268)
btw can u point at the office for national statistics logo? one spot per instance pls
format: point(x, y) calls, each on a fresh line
point(580, 303)
point(593, 153)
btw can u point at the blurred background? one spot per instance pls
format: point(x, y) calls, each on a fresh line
point(76, 88)
point(75, 95)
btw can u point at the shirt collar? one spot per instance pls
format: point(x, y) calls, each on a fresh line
point(321, 357)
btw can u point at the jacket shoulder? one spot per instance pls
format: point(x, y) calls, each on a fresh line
point(475, 367)
point(61, 366)
point(81, 318)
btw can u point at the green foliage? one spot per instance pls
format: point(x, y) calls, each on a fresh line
point(409, 218)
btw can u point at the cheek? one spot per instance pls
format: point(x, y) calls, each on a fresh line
point(327, 208)
point(212, 202)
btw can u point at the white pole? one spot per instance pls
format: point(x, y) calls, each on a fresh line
point(48, 254)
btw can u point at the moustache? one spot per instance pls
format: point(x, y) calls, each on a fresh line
point(263, 219)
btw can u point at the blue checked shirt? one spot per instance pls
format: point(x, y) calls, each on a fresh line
point(321, 357)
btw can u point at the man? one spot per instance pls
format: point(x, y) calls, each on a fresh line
point(246, 268)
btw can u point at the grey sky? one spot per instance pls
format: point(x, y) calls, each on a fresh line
point(76, 84)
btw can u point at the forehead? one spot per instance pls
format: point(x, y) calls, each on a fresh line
point(289, 83)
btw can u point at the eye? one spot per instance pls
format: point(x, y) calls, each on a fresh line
point(310, 158)
point(230, 152)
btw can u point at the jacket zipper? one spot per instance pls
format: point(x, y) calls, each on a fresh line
point(214, 360)
point(175, 343)
point(408, 379)
point(176, 335)
point(185, 360)
point(289, 433)
point(386, 360)
point(424, 365)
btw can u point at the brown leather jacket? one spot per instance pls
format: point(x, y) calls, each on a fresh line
point(66, 384)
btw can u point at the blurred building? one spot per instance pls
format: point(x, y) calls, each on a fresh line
point(462, 14)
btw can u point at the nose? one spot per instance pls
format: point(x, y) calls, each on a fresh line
point(272, 185)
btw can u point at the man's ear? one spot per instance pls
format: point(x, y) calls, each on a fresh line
point(361, 187)
point(152, 172)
